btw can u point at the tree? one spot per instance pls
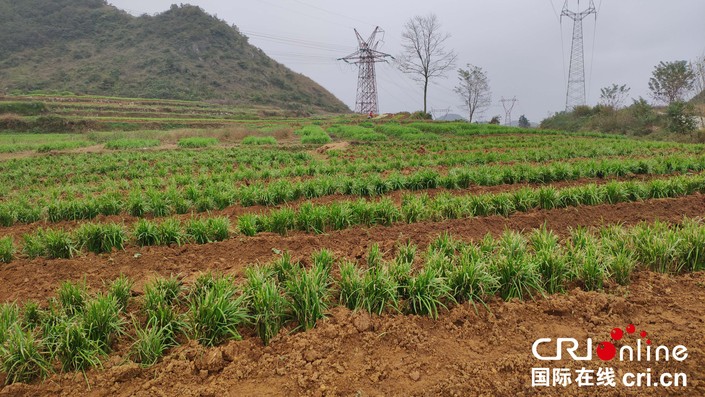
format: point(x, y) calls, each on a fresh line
point(424, 56)
point(614, 96)
point(524, 122)
point(680, 116)
point(495, 120)
point(474, 89)
point(698, 68)
point(671, 81)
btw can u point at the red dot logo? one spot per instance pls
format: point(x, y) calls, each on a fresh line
point(617, 334)
point(606, 351)
point(643, 334)
point(631, 329)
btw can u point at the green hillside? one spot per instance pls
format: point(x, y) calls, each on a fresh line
point(90, 47)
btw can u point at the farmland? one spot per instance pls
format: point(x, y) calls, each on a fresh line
point(154, 247)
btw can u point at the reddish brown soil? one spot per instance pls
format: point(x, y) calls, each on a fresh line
point(466, 352)
point(36, 279)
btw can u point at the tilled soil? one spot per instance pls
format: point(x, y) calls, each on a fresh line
point(466, 352)
point(38, 278)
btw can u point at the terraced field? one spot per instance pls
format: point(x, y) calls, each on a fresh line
point(337, 256)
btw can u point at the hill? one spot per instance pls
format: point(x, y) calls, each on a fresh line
point(91, 47)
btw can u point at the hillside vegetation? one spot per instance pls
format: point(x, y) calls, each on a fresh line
point(90, 47)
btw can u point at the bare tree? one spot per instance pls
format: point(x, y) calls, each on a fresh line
point(671, 81)
point(698, 67)
point(614, 95)
point(424, 55)
point(474, 89)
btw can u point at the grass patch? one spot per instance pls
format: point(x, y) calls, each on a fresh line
point(259, 140)
point(197, 142)
point(123, 144)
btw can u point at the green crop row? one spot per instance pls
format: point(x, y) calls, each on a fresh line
point(220, 196)
point(85, 174)
point(418, 208)
point(76, 330)
point(197, 142)
point(106, 237)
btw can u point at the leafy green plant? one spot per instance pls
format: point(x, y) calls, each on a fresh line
point(23, 356)
point(427, 292)
point(99, 238)
point(127, 143)
point(7, 249)
point(267, 309)
point(170, 232)
point(471, 280)
point(72, 297)
point(58, 244)
point(351, 286)
point(121, 290)
point(379, 290)
point(9, 316)
point(102, 321)
point(146, 233)
point(517, 275)
point(151, 342)
point(308, 293)
point(215, 315)
point(74, 349)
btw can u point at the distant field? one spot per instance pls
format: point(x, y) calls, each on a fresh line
point(154, 248)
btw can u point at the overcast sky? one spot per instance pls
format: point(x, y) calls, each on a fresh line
point(519, 43)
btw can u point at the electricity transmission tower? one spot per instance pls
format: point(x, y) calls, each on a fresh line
point(365, 57)
point(508, 105)
point(576, 76)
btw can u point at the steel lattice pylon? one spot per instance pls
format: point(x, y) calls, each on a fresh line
point(365, 57)
point(576, 75)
